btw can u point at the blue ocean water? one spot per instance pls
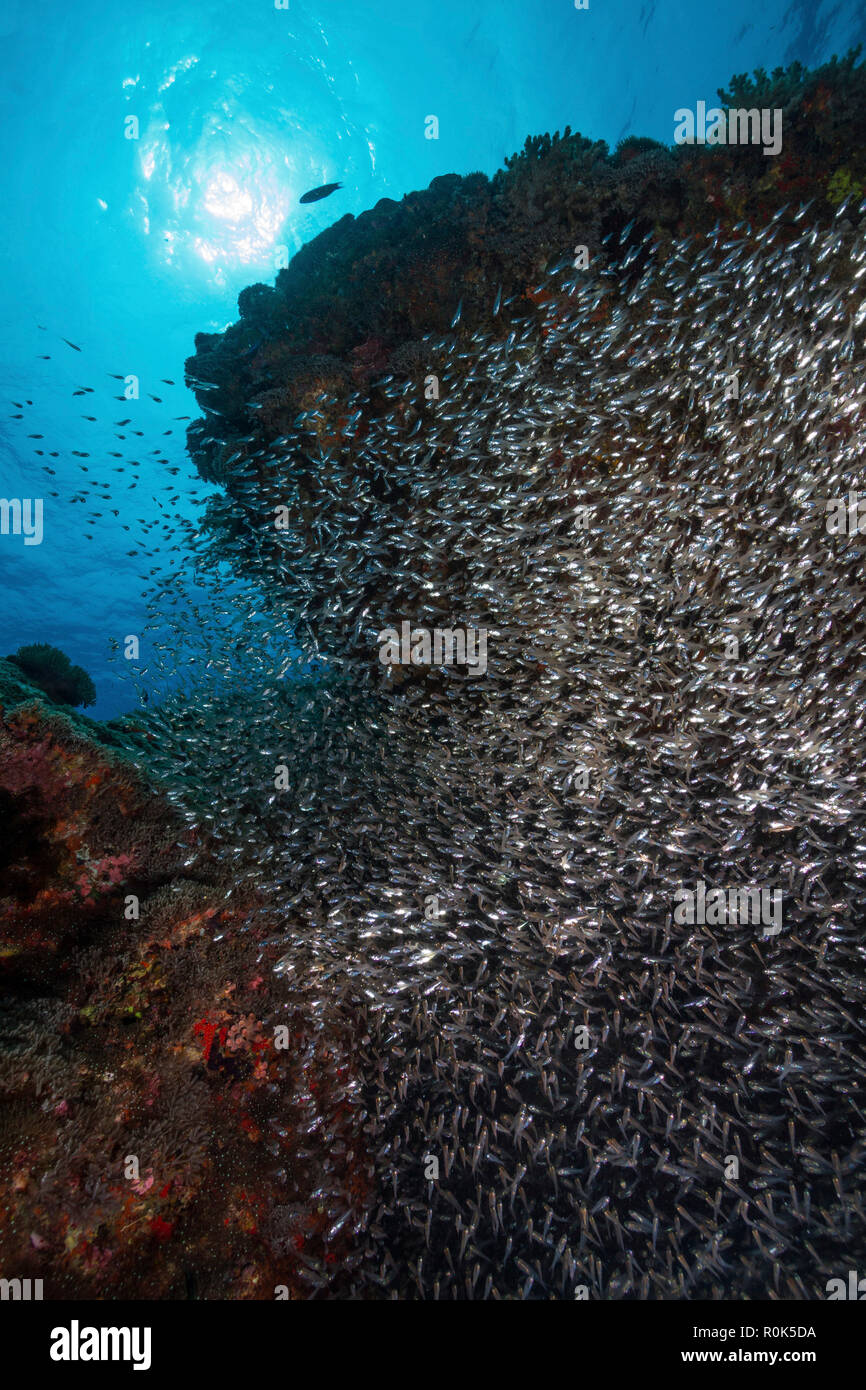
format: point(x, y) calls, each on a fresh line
point(128, 247)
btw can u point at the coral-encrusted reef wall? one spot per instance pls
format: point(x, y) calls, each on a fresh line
point(354, 303)
point(155, 1141)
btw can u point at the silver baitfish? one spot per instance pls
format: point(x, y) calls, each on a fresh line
point(629, 492)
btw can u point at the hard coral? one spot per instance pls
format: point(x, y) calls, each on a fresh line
point(50, 669)
point(841, 185)
point(634, 145)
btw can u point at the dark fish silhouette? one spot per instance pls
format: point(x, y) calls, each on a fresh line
point(324, 191)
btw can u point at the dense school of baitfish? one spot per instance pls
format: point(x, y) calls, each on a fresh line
point(485, 866)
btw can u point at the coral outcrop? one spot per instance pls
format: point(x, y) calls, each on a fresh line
point(51, 670)
point(352, 303)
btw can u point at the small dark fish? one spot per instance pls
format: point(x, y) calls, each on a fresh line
point(324, 191)
point(72, 345)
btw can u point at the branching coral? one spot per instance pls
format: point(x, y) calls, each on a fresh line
point(786, 86)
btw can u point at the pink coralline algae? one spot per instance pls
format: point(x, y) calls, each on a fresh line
point(152, 1134)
